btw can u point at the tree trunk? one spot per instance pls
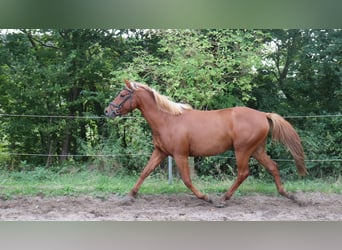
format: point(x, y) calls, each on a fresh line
point(65, 147)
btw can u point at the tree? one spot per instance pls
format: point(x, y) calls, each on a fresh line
point(76, 72)
point(301, 76)
point(301, 72)
point(55, 72)
point(206, 68)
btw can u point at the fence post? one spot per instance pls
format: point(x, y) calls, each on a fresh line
point(170, 169)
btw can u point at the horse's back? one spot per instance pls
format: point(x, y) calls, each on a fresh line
point(216, 131)
point(236, 118)
point(248, 115)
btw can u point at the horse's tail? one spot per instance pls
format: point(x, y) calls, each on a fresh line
point(284, 132)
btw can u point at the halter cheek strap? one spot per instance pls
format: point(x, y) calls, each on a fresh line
point(117, 107)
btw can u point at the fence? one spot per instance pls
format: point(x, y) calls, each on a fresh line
point(146, 153)
point(132, 117)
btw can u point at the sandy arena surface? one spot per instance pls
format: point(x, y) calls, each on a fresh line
point(172, 207)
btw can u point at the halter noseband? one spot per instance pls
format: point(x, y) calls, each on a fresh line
point(117, 107)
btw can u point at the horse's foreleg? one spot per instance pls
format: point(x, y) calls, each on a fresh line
point(155, 159)
point(183, 166)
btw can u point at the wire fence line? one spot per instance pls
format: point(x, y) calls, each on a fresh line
point(137, 117)
point(148, 154)
point(73, 155)
point(52, 116)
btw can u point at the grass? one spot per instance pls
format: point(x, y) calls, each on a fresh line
point(41, 181)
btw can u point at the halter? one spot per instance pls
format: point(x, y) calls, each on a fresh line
point(117, 107)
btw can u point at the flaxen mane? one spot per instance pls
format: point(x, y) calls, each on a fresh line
point(163, 102)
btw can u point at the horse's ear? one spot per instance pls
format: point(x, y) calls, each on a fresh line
point(128, 84)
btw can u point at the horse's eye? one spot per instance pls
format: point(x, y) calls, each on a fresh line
point(122, 95)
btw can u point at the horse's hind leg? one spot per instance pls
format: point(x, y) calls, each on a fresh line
point(242, 159)
point(183, 166)
point(261, 156)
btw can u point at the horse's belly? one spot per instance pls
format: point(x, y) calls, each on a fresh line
point(209, 145)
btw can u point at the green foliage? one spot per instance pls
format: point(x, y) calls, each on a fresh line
point(324, 147)
point(126, 149)
point(54, 72)
point(205, 68)
point(76, 72)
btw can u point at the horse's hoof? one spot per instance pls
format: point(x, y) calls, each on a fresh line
point(302, 203)
point(220, 204)
point(126, 201)
point(299, 202)
point(208, 199)
point(296, 200)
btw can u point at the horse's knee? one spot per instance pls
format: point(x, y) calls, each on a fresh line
point(242, 175)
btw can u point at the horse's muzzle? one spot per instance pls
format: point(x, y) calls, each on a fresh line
point(111, 113)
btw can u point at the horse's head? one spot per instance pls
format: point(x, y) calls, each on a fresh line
point(123, 103)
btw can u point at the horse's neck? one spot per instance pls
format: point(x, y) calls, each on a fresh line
point(154, 117)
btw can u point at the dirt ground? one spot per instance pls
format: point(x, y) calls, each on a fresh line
point(175, 207)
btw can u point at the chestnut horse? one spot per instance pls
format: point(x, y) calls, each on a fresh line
point(180, 131)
